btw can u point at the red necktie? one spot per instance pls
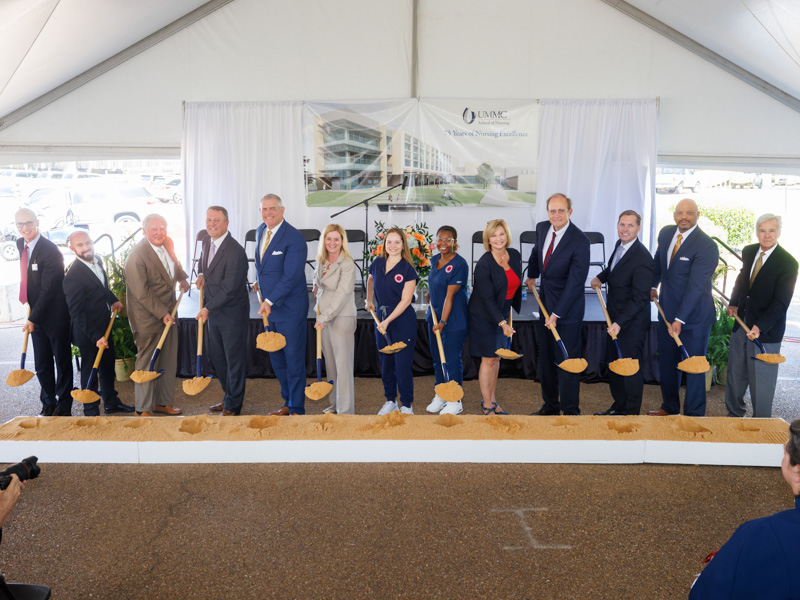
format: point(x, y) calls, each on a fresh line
point(549, 252)
point(23, 285)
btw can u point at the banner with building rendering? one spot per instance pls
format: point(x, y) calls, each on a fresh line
point(450, 152)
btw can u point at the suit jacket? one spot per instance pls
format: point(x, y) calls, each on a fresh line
point(490, 286)
point(686, 284)
point(629, 287)
point(89, 301)
point(150, 292)
point(281, 275)
point(766, 303)
point(225, 289)
point(562, 283)
point(335, 297)
point(45, 274)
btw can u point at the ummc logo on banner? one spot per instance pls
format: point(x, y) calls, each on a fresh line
point(469, 115)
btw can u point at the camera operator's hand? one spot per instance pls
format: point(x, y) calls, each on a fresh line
point(9, 497)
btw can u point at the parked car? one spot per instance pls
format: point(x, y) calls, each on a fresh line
point(674, 181)
point(171, 190)
point(746, 180)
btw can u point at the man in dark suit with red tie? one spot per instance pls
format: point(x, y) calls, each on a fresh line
point(684, 266)
point(628, 276)
point(42, 271)
point(761, 296)
point(90, 303)
point(226, 308)
point(560, 259)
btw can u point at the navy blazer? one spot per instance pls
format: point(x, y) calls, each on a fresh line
point(45, 276)
point(89, 301)
point(766, 303)
point(629, 287)
point(562, 283)
point(686, 285)
point(281, 275)
point(490, 286)
point(225, 287)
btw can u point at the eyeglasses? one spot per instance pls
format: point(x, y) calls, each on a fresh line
point(445, 240)
point(25, 224)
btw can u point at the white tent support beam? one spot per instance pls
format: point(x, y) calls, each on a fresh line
point(414, 48)
point(706, 53)
point(112, 62)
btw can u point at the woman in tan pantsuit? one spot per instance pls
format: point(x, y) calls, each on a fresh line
point(334, 282)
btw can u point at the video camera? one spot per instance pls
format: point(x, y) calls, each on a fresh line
point(25, 469)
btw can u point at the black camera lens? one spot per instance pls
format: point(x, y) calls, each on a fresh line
point(25, 469)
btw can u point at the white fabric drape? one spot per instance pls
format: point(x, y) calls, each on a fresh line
point(236, 152)
point(602, 155)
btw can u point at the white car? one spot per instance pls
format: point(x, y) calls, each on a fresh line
point(172, 190)
point(674, 181)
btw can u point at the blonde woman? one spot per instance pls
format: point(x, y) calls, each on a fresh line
point(334, 282)
point(392, 279)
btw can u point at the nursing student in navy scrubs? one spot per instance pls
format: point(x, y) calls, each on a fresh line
point(448, 297)
point(497, 284)
point(762, 557)
point(392, 279)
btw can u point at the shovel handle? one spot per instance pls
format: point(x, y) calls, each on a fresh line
point(199, 361)
point(264, 317)
point(544, 312)
point(739, 320)
point(377, 322)
point(605, 312)
point(675, 337)
point(25, 344)
point(102, 348)
point(438, 335)
point(319, 346)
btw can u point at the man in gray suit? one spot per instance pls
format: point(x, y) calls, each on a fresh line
point(223, 278)
point(152, 271)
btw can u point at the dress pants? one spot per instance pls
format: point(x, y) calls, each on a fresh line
point(557, 384)
point(289, 363)
point(338, 348)
point(52, 352)
point(453, 344)
point(626, 391)
point(161, 390)
point(228, 355)
point(744, 372)
point(669, 355)
point(106, 377)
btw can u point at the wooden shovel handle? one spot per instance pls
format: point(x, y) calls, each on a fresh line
point(25, 337)
point(168, 325)
point(438, 335)
point(605, 312)
point(260, 302)
point(105, 335)
point(378, 323)
point(319, 338)
point(663, 316)
point(200, 328)
point(544, 312)
point(738, 319)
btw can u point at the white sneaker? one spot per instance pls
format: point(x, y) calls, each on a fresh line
point(329, 409)
point(387, 408)
point(406, 410)
point(436, 404)
point(452, 408)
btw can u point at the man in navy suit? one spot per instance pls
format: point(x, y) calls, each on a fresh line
point(628, 275)
point(42, 271)
point(90, 303)
point(281, 253)
point(561, 257)
point(684, 266)
point(761, 296)
point(223, 278)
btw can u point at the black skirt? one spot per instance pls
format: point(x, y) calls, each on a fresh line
point(485, 337)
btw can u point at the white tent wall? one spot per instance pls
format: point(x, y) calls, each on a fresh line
point(359, 49)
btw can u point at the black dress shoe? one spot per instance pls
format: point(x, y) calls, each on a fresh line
point(62, 413)
point(610, 413)
point(546, 412)
point(119, 408)
point(47, 411)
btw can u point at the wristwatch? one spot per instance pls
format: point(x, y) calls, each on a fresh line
point(503, 322)
point(443, 322)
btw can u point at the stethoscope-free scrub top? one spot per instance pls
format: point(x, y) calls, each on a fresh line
point(453, 273)
point(388, 289)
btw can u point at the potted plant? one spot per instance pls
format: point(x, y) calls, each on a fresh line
point(121, 334)
point(719, 342)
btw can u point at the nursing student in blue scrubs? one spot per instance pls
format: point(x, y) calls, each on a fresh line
point(448, 297)
point(762, 558)
point(392, 280)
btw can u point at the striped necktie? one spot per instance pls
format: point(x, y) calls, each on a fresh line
point(549, 252)
point(266, 243)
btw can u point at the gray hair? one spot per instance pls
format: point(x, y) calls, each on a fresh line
point(769, 217)
point(150, 217)
point(274, 197)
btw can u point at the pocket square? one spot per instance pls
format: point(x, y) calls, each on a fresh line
point(281, 252)
point(684, 258)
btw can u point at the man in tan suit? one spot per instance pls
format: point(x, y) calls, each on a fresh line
point(152, 272)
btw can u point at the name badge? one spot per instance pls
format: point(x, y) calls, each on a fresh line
point(34, 267)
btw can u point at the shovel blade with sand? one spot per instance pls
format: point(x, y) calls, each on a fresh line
point(319, 389)
point(198, 383)
point(86, 395)
point(624, 367)
point(570, 365)
point(17, 377)
point(690, 364)
point(507, 352)
point(763, 356)
point(151, 373)
point(450, 391)
point(390, 348)
point(269, 341)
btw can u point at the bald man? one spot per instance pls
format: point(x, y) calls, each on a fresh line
point(41, 273)
point(90, 302)
point(685, 261)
